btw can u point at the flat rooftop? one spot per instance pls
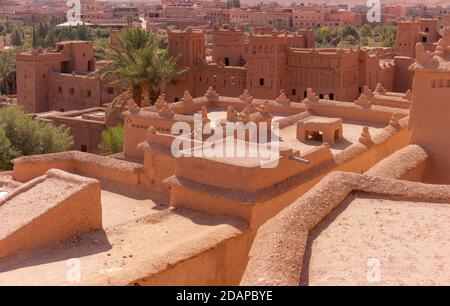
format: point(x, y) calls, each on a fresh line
point(141, 237)
point(406, 241)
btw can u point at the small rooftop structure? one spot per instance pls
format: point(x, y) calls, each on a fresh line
point(320, 128)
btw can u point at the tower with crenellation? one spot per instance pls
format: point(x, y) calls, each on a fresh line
point(188, 47)
point(430, 108)
point(267, 64)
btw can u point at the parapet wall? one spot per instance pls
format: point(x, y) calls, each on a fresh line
point(408, 163)
point(351, 111)
point(362, 155)
point(27, 168)
point(48, 209)
point(138, 121)
point(257, 194)
point(277, 254)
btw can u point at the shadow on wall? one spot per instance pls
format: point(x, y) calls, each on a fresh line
point(88, 244)
point(304, 275)
point(138, 192)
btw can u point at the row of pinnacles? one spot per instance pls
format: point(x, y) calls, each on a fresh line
point(380, 96)
point(158, 119)
point(149, 137)
point(431, 60)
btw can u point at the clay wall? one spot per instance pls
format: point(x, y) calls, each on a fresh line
point(266, 65)
point(27, 168)
point(56, 80)
point(73, 92)
point(308, 211)
point(228, 47)
point(403, 76)
point(351, 111)
point(387, 75)
point(230, 81)
point(407, 37)
point(408, 164)
point(329, 72)
point(209, 264)
point(429, 104)
point(257, 201)
point(64, 206)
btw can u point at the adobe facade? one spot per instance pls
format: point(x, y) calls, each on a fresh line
point(317, 16)
point(60, 79)
point(412, 184)
point(267, 61)
point(229, 47)
point(429, 111)
point(86, 126)
point(411, 32)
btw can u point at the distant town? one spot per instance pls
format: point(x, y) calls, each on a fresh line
point(231, 142)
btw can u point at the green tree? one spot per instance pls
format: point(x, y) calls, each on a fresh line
point(51, 38)
point(100, 47)
point(348, 30)
point(22, 135)
point(34, 42)
point(7, 72)
point(6, 151)
point(112, 139)
point(365, 30)
point(42, 30)
point(129, 19)
point(233, 3)
point(16, 37)
point(82, 32)
point(135, 61)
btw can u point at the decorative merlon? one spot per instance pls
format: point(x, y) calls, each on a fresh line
point(282, 98)
point(408, 94)
point(395, 121)
point(204, 113)
point(443, 46)
point(161, 101)
point(187, 98)
point(379, 89)
point(232, 115)
point(264, 108)
point(366, 138)
point(311, 96)
point(211, 95)
point(367, 92)
point(246, 97)
point(365, 98)
point(425, 58)
point(132, 107)
point(165, 111)
point(163, 107)
point(244, 117)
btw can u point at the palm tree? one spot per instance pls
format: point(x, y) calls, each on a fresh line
point(129, 19)
point(7, 72)
point(136, 62)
